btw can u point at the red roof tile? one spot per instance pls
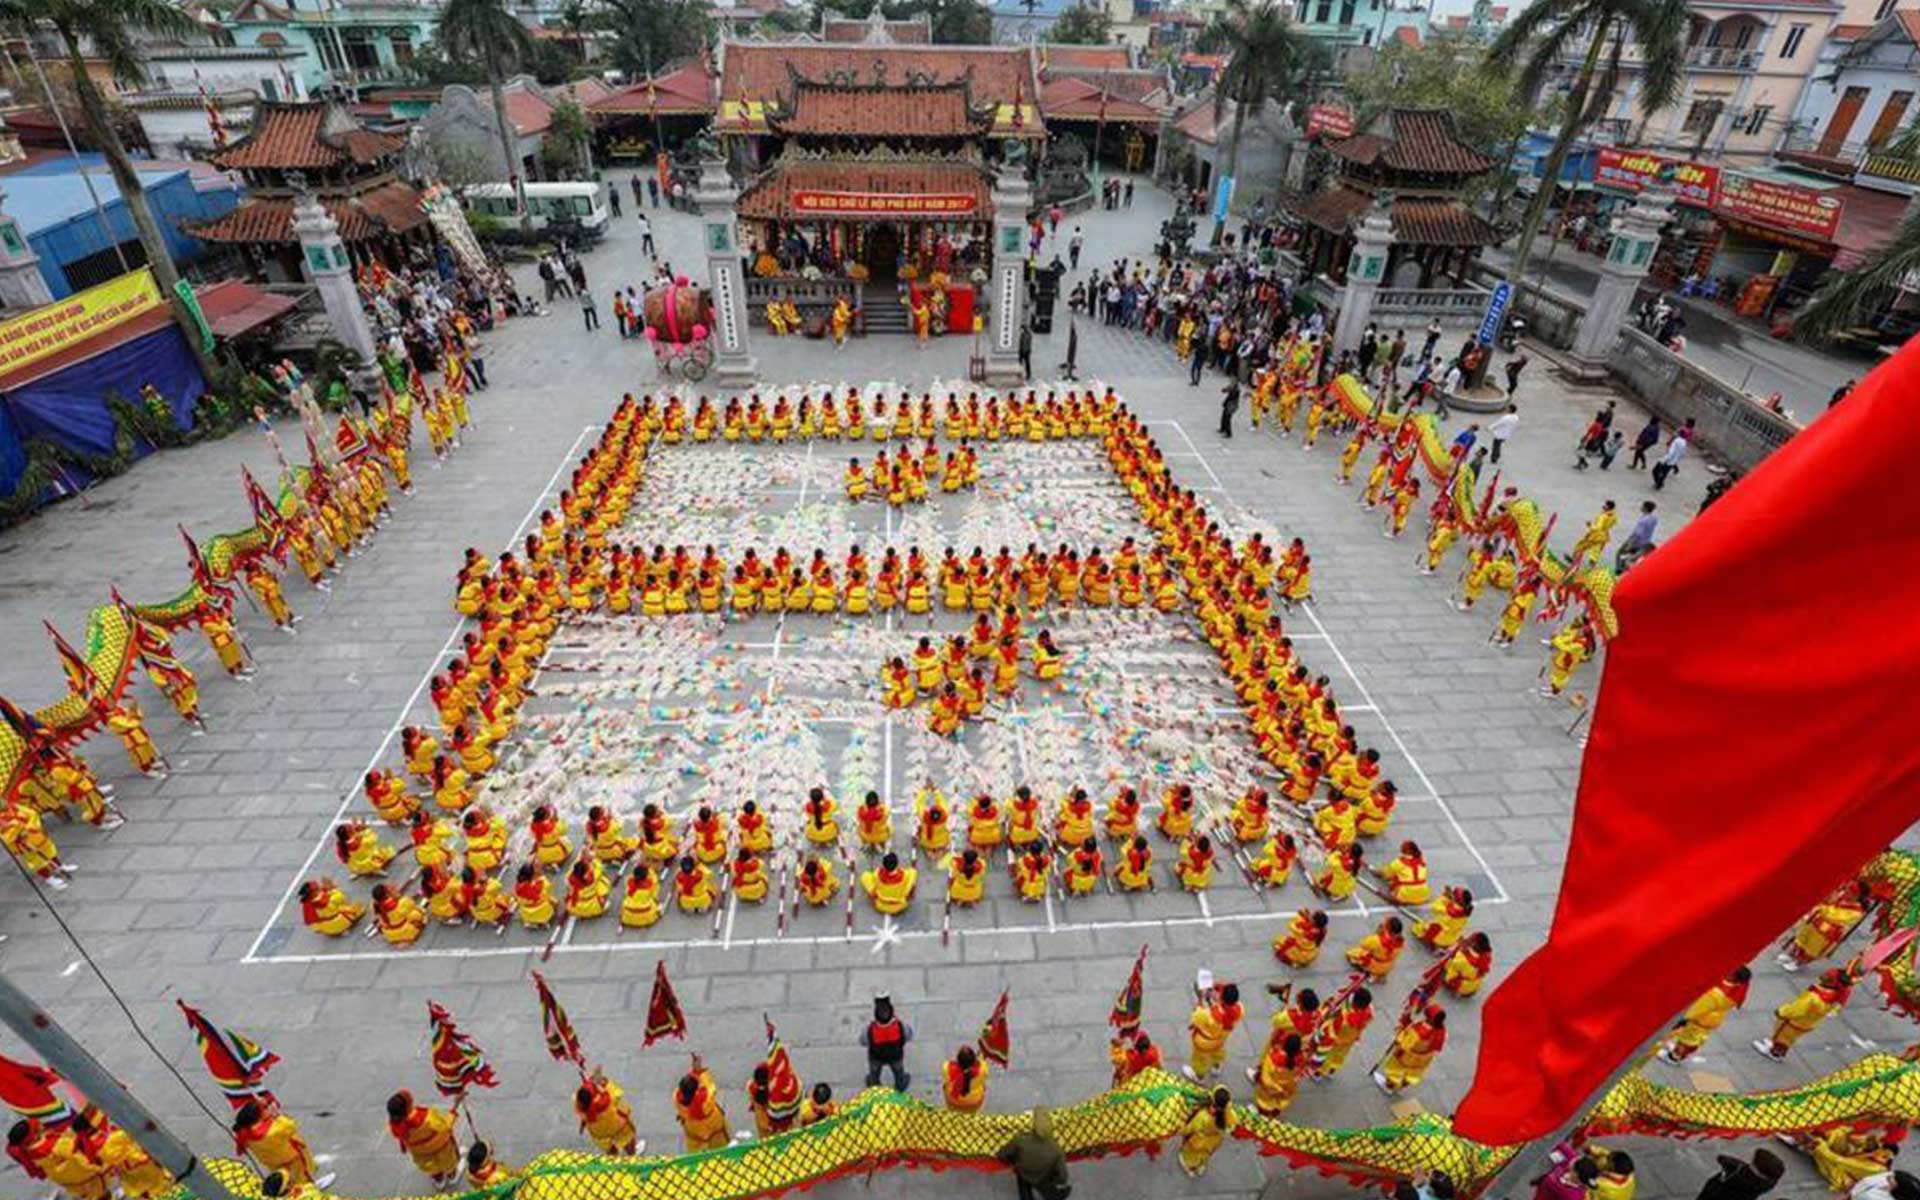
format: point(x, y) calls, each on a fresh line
point(318, 134)
point(1080, 100)
point(771, 196)
point(1909, 24)
point(682, 92)
point(1413, 139)
point(1198, 123)
point(1147, 85)
point(937, 111)
point(1416, 221)
point(527, 112)
point(392, 207)
point(233, 306)
point(1090, 58)
point(761, 71)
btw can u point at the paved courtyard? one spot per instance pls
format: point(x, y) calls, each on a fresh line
point(189, 899)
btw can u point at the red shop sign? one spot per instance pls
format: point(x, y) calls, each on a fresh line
point(1783, 206)
point(861, 204)
point(1694, 184)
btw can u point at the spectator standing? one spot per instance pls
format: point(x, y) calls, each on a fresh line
point(1670, 461)
point(1502, 429)
point(1229, 403)
point(646, 235)
point(1039, 1164)
point(1515, 365)
point(1073, 247)
point(588, 313)
point(1433, 338)
point(1640, 537)
point(633, 181)
point(613, 198)
point(1026, 350)
point(886, 1038)
point(653, 192)
point(1643, 442)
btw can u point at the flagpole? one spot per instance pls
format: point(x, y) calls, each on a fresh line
point(56, 1047)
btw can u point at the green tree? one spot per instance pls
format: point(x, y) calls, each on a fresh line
point(1848, 298)
point(651, 33)
point(565, 148)
point(784, 20)
point(1082, 25)
point(484, 31)
point(432, 66)
point(1551, 31)
point(1266, 58)
point(951, 22)
point(574, 17)
point(110, 29)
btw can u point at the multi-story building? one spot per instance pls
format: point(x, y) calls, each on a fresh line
point(348, 44)
point(1861, 98)
point(1353, 29)
point(1746, 65)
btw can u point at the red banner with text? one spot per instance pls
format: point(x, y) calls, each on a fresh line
point(1784, 206)
point(866, 204)
point(1694, 184)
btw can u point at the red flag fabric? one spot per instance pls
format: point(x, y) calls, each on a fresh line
point(664, 1018)
point(562, 1042)
point(783, 1082)
point(996, 1039)
point(28, 1090)
point(238, 1064)
point(458, 1061)
point(1756, 740)
point(1126, 1007)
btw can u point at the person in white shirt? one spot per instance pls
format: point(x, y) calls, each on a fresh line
point(1502, 429)
point(1670, 461)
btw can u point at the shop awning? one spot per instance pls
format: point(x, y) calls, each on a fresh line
point(233, 307)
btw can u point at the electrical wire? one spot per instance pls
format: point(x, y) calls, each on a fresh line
point(47, 903)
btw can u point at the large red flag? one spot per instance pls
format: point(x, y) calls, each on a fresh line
point(27, 1089)
point(1757, 739)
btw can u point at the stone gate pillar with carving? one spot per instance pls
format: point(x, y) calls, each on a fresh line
point(331, 271)
point(1366, 271)
point(1636, 236)
point(1012, 197)
point(733, 362)
point(21, 284)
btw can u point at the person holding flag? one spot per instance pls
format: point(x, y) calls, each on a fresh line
point(774, 1094)
point(996, 1037)
point(427, 1136)
point(271, 1138)
point(696, 1105)
point(963, 1081)
point(605, 1115)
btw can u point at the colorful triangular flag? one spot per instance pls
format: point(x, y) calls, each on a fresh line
point(28, 1090)
point(783, 1082)
point(458, 1063)
point(562, 1042)
point(1126, 1007)
point(238, 1064)
point(664, 1018)
point(996, 1041)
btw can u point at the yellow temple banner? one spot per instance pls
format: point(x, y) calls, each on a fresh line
point(54, 327)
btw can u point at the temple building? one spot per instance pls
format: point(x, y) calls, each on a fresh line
point(873, 165)
point(351, 170)
point(1412, 160)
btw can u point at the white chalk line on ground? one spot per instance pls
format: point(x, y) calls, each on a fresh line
point(1368, 705)
point(353, 788)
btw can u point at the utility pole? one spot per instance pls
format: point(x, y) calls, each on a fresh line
point(66, 1056)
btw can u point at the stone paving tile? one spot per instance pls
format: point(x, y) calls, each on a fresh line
point(170, 904)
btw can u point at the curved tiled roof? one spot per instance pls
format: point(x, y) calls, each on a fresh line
point(314, 135)
point(761, 71)
point(1417, 220)
point(941, 110)
point(1413, 139)
point(392, 207)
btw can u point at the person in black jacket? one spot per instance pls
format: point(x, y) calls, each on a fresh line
point(1738, 1180)
point(1039, 1164)
point(886, 1038)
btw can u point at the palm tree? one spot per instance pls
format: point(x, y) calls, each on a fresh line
point(573, 19)
point(107, 29)
point(485, 31)
point(1265, 55)
point(1849, 298)
point(1543, 34)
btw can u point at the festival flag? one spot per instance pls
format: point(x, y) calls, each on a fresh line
point(1126, 1008)
point(1763, 672)
point(238, 1064)
point(664, 1018)
point(562, 1042)
point(348, 439)
point(196, 565)
point(28, 1090)
point(996, 1040)
point(783, 1082)
point(458, 1063)
point(266, 514)
point(215, 126)
point(314, 459)
point(80, 673)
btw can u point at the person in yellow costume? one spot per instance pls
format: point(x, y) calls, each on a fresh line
point(1211, 1023)
point(696, 1105)
point(427, 1136)
point(1514, 615)
point(890, 887)
point(1030, 872)
point(587, 889)
point(817, 882)
point(1415, 1045)
point(777, 319)
point(127, 724)
point(822, 826)
point(67, 1160)
point(1277, 1079)
point(1046, 657)
point(1468, 966)
point(605, 1115)
point(486, 1171)
point(922, 313)
point(1593, 541)
point(1831, 922)
point(360, 849)
point(1572, 647)
point(963, 1081)
point(25, 837)
point(1406, 877)
point(1802, 1015)
point(966, 878)
point(1298, 945)
point(640, 907)
point(324, 908)
point(873, 824)
point(273, 1140)
point(1205, 1131)
point(1845, 1156)
point(1375, 954)
point(1451, 910)
point(693, 886)
point(400, 917)
point(533, 897)
point(842, 320)
point(139, 1176)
